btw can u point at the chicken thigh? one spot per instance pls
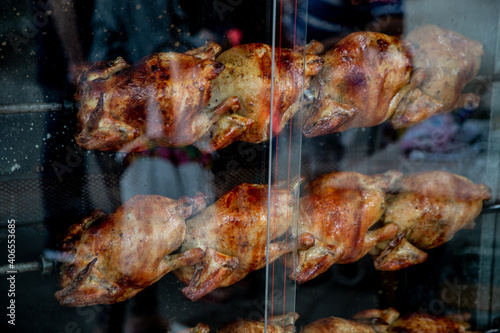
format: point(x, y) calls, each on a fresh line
point(338, 209)
point(248, 75)
point(160, 100)
point(232, 232)
point(444, 63)
point(360, 84)
point(428, 208)
point(113, 257)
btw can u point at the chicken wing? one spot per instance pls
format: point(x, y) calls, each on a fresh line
point(160, 100)
point(444, 63)
point(338, 209)
point(248, 75)
point(113, 257)
point(232, 232)
point(360, 84)
point(428, 208)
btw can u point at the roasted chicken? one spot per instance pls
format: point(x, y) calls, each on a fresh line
point(428, 208)
point(360, 84)
point(338, 209)
point(389, 321)
point(232, 232)
point(337, 325)
point(279, 324)
point(110, 258)
point(425, 323)
point(444, 63)
point(200, 328)
point(248, 75)
point(160, 100)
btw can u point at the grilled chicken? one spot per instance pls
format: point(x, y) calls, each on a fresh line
point(425, 323)
point(444, 63)
point(248, 75)
point(428, 208)
point(337, 325)
point(282, 324)
point(160, 100)
point(200, 328)
point(369, 321)
point(360, 84)
point(338, 209)
point(113, 257)
point(232, 232)
point(388, 321)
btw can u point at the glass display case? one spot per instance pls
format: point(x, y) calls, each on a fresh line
point(173, 166)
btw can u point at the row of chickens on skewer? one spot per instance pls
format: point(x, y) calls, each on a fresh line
point(341, 217)
point(210, 100)
point(367, 321)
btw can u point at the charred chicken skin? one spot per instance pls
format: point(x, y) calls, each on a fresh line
point(160, 100)
point(283, 324)
point(428, 208)
point(113, 257)
point(444, 63)
point(338, 209)
point(360, 84)
point(248, 75)
point(232, 232)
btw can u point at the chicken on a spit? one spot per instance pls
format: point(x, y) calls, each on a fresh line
point(444, 63)
point(232, 232)
point(278, 324)
point(428, 208)
point(248, 75)
point(389, 321)
point(113, 257)
point(160, 100)
point(425, 323)
point(360, 85)
point(338, 209)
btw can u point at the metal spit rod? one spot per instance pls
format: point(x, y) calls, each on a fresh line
point(35, 107)
point(43, 265)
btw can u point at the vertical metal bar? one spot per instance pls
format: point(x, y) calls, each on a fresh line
point(269, 180)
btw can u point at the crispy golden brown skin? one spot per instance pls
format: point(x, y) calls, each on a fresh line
point(115, 256)
point(232, 231)
point(279, 324)
point(444, 63)
point(338, 209)
point(247, 75)
point(160, 100)
point(360, 84)
point(428, 208)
